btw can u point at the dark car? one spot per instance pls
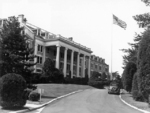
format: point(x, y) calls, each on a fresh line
point(113, 89)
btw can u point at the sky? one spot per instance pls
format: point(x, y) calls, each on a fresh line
point(89, 22)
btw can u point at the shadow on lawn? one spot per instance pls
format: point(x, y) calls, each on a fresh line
point(15, 109)
point(50, 97)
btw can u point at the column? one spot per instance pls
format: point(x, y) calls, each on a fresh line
point(72, 58)
point(57, 56)
point(44, 55)
point(65, 62)
point(83, 66)
point(78, 63)
point(35, 53)
point(89, 67)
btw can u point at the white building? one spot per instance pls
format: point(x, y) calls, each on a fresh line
point(68, 55)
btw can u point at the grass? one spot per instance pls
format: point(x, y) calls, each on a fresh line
point(128, 98)
point(51, 91)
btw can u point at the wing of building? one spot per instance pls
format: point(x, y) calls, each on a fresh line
point(69, 56)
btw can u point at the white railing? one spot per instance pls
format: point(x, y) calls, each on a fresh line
point(74, 43)
point(59, 36)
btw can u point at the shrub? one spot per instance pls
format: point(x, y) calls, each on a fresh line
point(27, 93)
point(128, 73)
point(96, 81)
point(34, 96)
point(97, 84)
point(12, 88)
point(57, 77)
point(135, 91)
point(36, 77)
point(143, 64)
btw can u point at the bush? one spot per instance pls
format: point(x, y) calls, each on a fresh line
point(96, 81)
point(57, 77)
point(34, 96)
point(27, 93)
point(97, 84)
point(36, 78)
point(12, 88)
point(135, 91)
point(143, 64)
point(128, 73)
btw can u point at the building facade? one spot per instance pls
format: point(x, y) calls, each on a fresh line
point(69, 56)
point(98, 64)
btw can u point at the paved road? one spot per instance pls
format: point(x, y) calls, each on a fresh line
point(89, 101)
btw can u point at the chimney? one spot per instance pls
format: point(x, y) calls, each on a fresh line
point(21, 18)
point(70, 38)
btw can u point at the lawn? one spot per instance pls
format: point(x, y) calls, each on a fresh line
point(128, 98)
point(52, 91)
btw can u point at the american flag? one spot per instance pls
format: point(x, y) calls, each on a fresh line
point(119, 22)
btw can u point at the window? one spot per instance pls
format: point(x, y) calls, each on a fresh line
point(95, 66)
point(61, 55)
point(40, 48)
point(106, 69)
point(54, 53)
point(38, 70)
point(47, 50)
point(91, 65)
point(39, 60)
point(68, 67)
point(100, 68)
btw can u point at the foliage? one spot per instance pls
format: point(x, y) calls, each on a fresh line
point(96, 76)
point(103, 76)
point(27, 93)
point(57, 77)
point(97, 84)
point(135, 91)
point(36, 78)
point(131, 53)
point(96, 81)
point(143, 64)
point(15, 54)
point(127, 75)
point(115, 74)
point(12, 88)
point(48, 67)
point(76, 80)
point(147, 2)
point(34, 96)
point(143, 19)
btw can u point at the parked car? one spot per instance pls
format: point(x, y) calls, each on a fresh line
point(113, 89)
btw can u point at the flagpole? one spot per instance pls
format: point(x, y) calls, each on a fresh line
point(111, 45)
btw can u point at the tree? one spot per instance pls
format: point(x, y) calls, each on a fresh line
point(48, 68)
point(15, 53)
point(127, 76)
point(131, 53)
point(103, 76)
point(147, 2)
point(143, 64)
point(115, 74)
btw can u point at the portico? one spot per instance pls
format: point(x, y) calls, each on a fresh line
point(69, 58)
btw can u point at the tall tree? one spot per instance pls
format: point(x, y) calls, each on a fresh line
point(127, 76)
point(143, 64)
point(131, 53)
point(15, 53)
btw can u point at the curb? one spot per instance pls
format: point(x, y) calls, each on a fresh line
point(41, 106)
point(144, 111)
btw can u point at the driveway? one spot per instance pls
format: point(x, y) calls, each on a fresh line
point(89, 101)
